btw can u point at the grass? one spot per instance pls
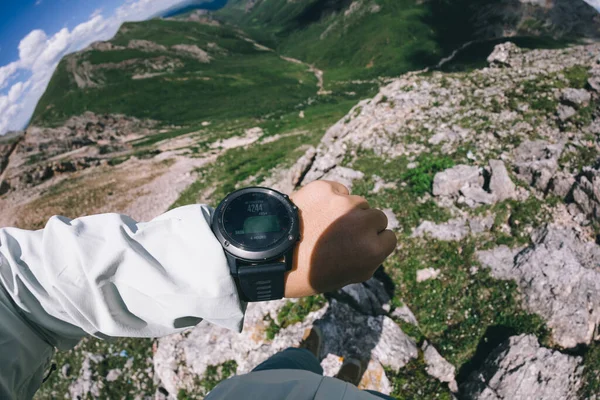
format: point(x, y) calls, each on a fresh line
point(456, 310)
point(293, 312)
point(243, 82)
point(413, 382)
point(214, 375)
point(591, 372)
point(134, 381)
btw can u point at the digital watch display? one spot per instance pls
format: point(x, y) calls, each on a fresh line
point(258, 229)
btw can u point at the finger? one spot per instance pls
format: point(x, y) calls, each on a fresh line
point(338, 188)
point(388, 242)
point(377, 219)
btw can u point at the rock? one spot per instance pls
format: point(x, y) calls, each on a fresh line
point(405, 314)
point(503, 54)
point(594, 83)
point(474, 196)
point(559, 277)
point(565, 112)
point(427, 273)
point(87, 383)
point(343, 175)
point(393, 222)
point(113, 375)
point(481, 224)
point(438, 367)
point(455, 229)
point(536, 162)
point(561, 184)
point(191, 50)
point(146, 45)
point(450, 181)
point(181, 359)
point(519, 369)
point(501, 186)
point(586, 191)
point(575, 97)
point(375, 378)
point(380, 185)
point(286, 181)
point(369, 297)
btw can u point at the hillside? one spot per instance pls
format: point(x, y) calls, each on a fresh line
point(488, 170)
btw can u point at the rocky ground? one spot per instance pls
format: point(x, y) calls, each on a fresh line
point(491, 179)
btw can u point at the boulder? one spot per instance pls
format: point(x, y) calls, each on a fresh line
point(520, 369)
point(474, 196)
point(438, 366)
point(450, 181)
point(536, 162)
point(565, 112)
point(586, 192)
point(501, 186)
point(503, 55)
point(559, 277)
point(455, 229)
point(575, 97)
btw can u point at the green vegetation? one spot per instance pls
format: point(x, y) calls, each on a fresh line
point(293, 312)
point(214, 375)
point(115, 354)
point(591, 372)
point(420, 178)
point(240, 80)
point(457, 311)
point(413, 382)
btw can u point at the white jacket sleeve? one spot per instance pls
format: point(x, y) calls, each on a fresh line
point(107, 276)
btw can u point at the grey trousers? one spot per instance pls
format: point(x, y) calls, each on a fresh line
point(293, 358)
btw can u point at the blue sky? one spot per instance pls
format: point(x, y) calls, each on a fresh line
point(36, 34)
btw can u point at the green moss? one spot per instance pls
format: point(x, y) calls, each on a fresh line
point(577, 76)
point(414, 383)
point(456, 310)
point(293, 312)
point(213, 375)
point(591, 372)
point(420, 179)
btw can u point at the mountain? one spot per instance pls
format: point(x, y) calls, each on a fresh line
point(487, 166)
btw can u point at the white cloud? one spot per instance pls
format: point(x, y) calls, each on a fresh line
point(39, 55)
point(594, 3)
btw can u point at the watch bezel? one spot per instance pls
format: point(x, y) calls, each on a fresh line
point(245, 253)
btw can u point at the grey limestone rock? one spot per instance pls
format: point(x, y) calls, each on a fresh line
point(393, 222)
point(455, 229)
point(439, 367)
point(503, 55)
point(559, 277)
point(562, 183)
point(565, 112)
point(450, 181)
point(405, 314)
point(370, 297)
point(501, 186)
point(536, 162)
point(343, 175)
point(520, 369)
point(575, 97)
point(474, 196)
point(586, 192)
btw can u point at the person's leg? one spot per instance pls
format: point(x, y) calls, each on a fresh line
point(292, 358)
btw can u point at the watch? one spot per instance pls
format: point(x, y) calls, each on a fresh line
point(258, 228)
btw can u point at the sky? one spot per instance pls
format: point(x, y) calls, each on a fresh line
point(36, 34)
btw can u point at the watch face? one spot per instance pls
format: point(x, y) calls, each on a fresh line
point(256, 221)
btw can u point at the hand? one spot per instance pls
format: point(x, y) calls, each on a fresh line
point(343, 240)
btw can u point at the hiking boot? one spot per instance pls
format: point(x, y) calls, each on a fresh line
point(312, 341)
point(351, 371)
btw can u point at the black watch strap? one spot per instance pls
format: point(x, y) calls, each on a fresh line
point(262, 282)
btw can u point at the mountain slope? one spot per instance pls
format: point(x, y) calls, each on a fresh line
point(175, 72)
point(368, 38)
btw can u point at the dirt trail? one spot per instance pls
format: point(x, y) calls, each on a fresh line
point(316, 71)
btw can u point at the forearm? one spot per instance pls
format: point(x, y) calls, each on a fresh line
point(110, 276)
